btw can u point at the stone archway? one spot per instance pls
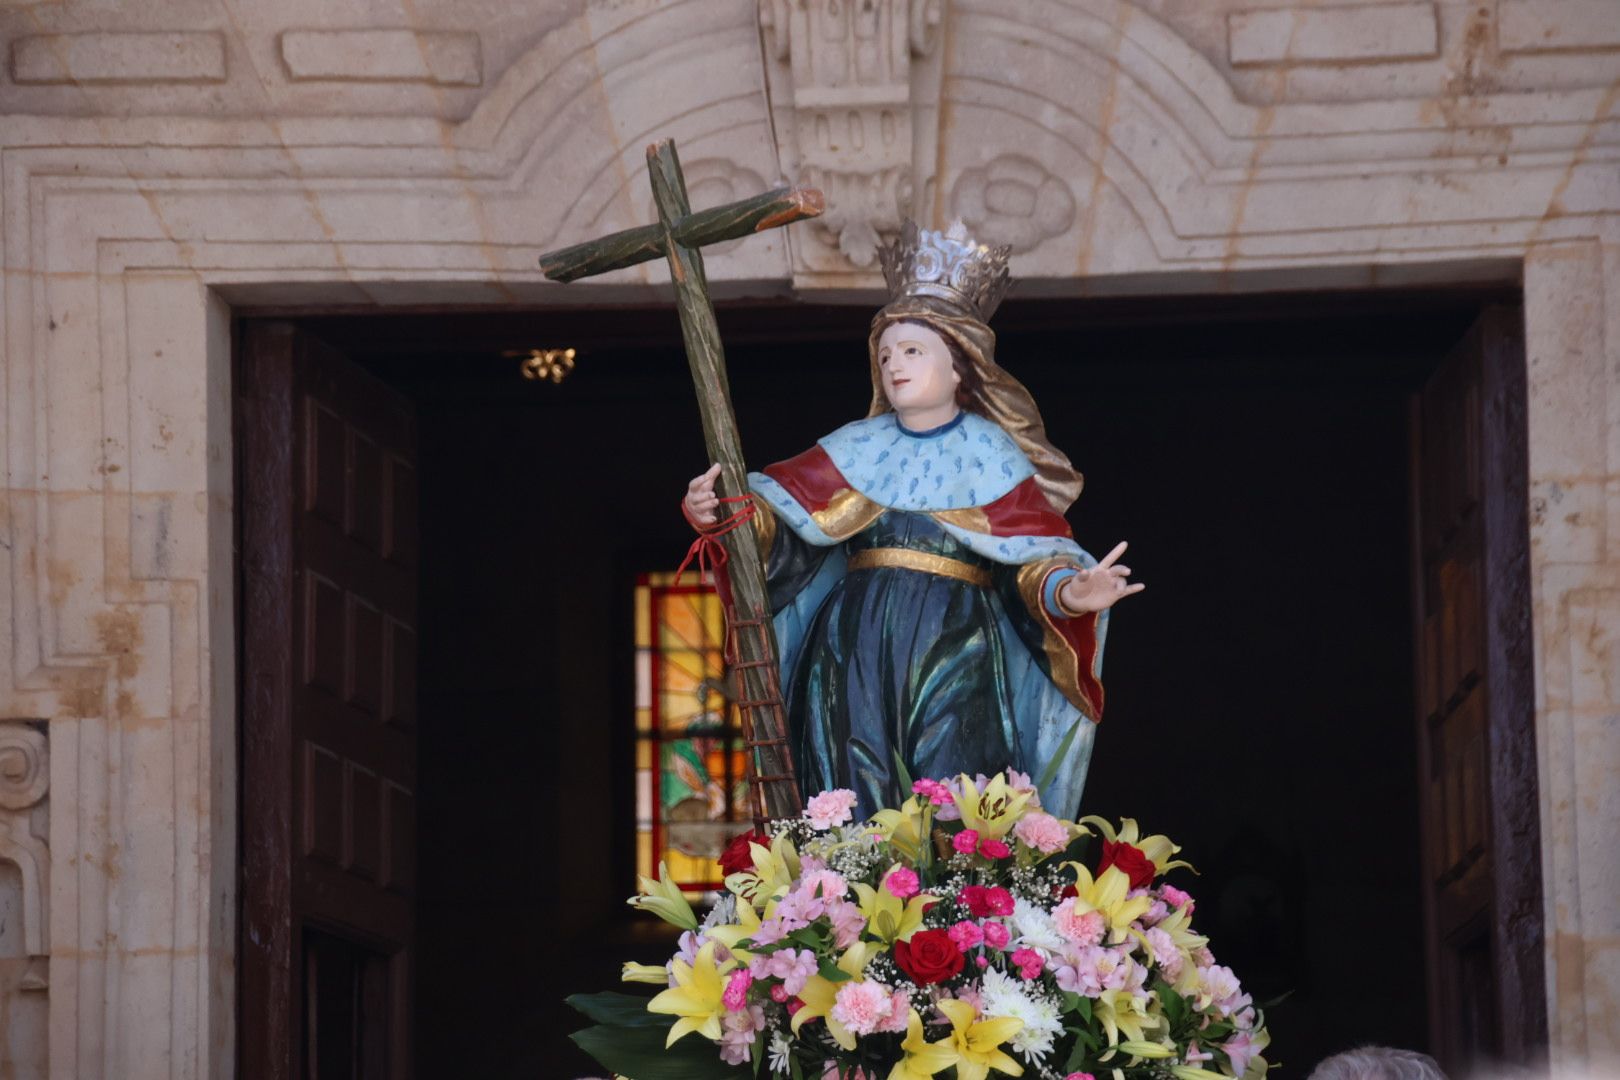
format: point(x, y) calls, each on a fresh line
point(131, 239)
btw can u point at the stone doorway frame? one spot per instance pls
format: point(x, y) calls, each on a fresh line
point(130, 244)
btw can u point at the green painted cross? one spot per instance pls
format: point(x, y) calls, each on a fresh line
point(679, 236)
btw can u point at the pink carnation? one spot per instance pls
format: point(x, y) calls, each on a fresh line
point(994, 849)
point(1176, 898)
point(1082, 928)
point(966, 841)
point(835, 807)
point(996, 935)
point(936, 792)
point(830, 883)
point(862, 1006)
point(736, 993)
point(1029, 963)
point(1079, 1076)
point(966, 934)
point(902, 882)
point(1042, 832)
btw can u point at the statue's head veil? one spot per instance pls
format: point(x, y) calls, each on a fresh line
point(948, 282)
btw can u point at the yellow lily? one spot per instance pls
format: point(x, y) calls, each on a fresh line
point(1178, 925)
point(1150, 1050)
point(656, 974)
point(885, 917)
point(1120, 1010)
point(978, 1042)
point(922, 1059)
point(696, 996)
point(664, 899)
point(906, 828)
point(1106, 894)
point(994, 811)
point(774, 869)
point(729, 934)
point(1157, 848)
point(820, 992)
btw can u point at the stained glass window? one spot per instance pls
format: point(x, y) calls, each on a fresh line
point(691, 795)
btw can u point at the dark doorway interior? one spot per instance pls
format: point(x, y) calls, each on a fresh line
point(1260, 691)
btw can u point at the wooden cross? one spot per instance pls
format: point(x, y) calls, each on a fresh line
point(680, 236)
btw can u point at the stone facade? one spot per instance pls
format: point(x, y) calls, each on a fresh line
point(166, 163)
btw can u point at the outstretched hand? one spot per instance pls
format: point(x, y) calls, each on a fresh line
point(1100, 587)
point(702, 504)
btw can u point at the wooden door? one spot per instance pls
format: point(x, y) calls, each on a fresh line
point(327, 483)
point(1476, 719)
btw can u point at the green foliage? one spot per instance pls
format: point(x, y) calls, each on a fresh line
point(629, 1040)
point(809, 937)
point(831, 971)
point(902, 774)
point(1175, 1006)
point(639, 1052)
point(619, 1010)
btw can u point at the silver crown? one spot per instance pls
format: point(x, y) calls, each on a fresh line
point(950, 265)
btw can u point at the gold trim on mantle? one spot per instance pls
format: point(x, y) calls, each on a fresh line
point(764, 526)
point(1063, 660)
point(971, 518)
point(846, 513)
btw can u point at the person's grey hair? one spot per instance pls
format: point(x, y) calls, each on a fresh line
point(1378, 1063)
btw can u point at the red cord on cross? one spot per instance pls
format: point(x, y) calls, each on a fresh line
point(710, 554)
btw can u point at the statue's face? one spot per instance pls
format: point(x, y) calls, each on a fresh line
point(916, 367)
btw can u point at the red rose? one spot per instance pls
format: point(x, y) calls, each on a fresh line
point(737, 858)
point(929, 957)
point(1131, 862)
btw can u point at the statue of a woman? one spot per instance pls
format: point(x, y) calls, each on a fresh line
point(927, 594)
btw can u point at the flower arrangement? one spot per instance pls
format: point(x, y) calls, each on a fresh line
point(956, 935)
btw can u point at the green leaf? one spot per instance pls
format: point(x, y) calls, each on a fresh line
point(794, 1069)
point(757, 1051)
point(1050, 772)
point(1082, 1008)
point(639, 1052)
point(619, 1010)
point(1175, 1006)
point(902, 774)
point(1082, 1050)
point(831, 971)
point(806, 938)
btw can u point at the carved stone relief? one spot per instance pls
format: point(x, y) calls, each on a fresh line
point(24, 892)
point(1013, 200)
point(25, 777)
point(855, 83)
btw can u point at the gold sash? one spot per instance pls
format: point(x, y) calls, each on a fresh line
point(924, 561)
